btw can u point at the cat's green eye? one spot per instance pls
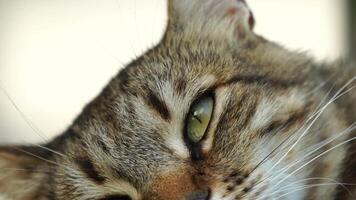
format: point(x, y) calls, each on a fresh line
point(198, 119)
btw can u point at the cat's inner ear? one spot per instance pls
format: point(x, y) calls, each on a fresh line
point(20, 169)
point(230, 18)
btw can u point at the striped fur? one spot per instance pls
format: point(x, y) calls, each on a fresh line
point(277, 115)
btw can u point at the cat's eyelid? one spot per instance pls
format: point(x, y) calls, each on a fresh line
point(195, 148)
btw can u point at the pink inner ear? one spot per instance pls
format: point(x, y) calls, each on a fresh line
point(232, 11)
point(235, 10)
point(203, 14)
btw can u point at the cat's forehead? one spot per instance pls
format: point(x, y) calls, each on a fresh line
point(180, 59)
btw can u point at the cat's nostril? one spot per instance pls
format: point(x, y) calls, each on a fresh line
point(199, 195)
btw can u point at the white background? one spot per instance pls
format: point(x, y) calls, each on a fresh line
point(56, 55)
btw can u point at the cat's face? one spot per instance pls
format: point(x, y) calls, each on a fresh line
point(210, 113)
point(140, 138)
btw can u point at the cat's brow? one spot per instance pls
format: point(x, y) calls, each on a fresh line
point(88, 168)
point(261, 80)
point(158, 105)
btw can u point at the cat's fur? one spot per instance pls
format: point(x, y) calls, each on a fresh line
point(274, 109)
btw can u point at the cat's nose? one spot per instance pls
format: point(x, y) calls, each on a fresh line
point(199, 195)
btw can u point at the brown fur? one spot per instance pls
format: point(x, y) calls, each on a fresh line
point(129, 141)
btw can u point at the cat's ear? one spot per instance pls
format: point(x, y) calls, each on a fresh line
point(22, 170)
point(232, 19)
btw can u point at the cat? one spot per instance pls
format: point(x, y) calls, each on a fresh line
point(213, 112)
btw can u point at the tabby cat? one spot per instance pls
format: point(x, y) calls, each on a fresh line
point(213, 112)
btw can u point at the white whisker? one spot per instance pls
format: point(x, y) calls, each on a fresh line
point(26, 119)
point(43, 159)
point(323, 144)
point(50, 150)
point(288, 186)
point(318, 114)
point(286, 168)
point(306, 187)
point(316, 157)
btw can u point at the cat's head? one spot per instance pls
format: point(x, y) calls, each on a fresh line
point(209, 113)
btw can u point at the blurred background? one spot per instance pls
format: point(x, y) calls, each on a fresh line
point(56, 55)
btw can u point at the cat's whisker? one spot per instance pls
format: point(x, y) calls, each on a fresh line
point(50, 150)
point(292, 185)
point(324, 99)
point(30, 124)
point(275, 149)
point(33, 127)
point(41, 158)
point(270, 176)
point(316, 89)
point(338, 94)
point(270, 154)
point(285, 169)
point(330, 101)
point(323, 144)
point(318, 147)
point(307, 187)
point(316, 157)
